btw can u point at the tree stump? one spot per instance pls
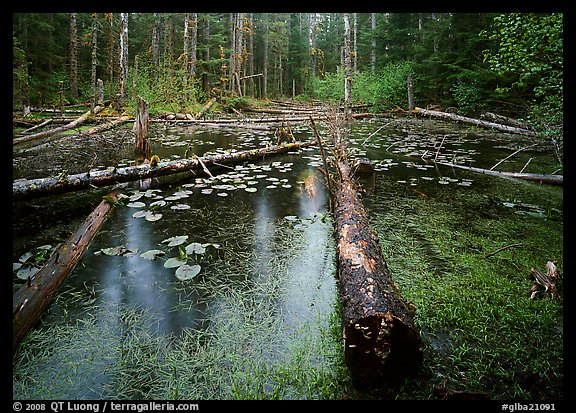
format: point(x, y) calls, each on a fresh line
point(141, 128)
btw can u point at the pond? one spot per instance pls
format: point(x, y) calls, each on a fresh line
point(225, 287)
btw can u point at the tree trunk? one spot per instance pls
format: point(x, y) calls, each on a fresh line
point(123, 58)
point(73, 56)
point(30, 301)
point(24, 188)
point(540, 178)
point(347, 70)
point(94, 97)
point(47, 133)
point(141, 128)
point(472, 121)
point(380, 340)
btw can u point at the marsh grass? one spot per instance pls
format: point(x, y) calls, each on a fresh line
point(250, 348)
point(481, 331)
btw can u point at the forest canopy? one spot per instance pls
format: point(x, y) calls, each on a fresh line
point(509, 63)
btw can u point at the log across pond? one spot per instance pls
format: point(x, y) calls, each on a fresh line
point(34, 297)
point(28, 188)
point(380, 340)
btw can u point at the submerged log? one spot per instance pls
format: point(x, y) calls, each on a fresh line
point(471, 121)
point(540, 178)
point(380, 340)
point(28, 188)
point(30, 301)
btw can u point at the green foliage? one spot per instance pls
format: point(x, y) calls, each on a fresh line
point(467, 96)
point(385, 90)
point(529, 46)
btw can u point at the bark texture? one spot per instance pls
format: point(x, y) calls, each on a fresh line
point(29, 188)
point(380, 341)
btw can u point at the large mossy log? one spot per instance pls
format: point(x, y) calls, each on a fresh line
point(380, 340)
point(29, 188)
point(34, 297)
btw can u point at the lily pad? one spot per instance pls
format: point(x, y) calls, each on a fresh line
point(195, 248)
point(25, 272)
point(173, 262)
point(180, 206)
point(152, 254)
point(187, 272)
point(176, 240)
point(136, 204)
point(153, 217)
point(140, 214)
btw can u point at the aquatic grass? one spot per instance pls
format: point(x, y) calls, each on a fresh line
point(480, 329)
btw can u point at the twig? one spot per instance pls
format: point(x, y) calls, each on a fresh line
point(504, 248)
point(204, 167)
point(374, 133)
point(512, 154)
point(525, 165)
point(438, 151)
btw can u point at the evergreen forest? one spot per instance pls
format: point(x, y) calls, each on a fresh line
point(194, 219)
point(509, 63)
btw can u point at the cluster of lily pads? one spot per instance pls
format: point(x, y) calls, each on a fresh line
point(30, 262)
point(186, 267)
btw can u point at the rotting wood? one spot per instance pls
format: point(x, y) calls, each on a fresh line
point(141, 127)
point(540, 178)
point(471, 121)
point(380, 340)
point(50, 132)
point(34, 297)
point(548, 281)
point(206, 107)
point(24, 188)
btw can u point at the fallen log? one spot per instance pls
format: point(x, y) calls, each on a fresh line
point(380, 340)
point(32, 299)
point(28, 188)
point(476, 122)
point(50, 132)
point(206, 107)
point(540, 178)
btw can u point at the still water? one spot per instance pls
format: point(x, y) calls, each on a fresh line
point(253, 274)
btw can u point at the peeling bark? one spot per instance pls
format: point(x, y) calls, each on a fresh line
point(380, 340)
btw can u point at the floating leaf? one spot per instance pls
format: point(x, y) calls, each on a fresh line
point(173, 262)
point(159, 203)
point(187, 272)
point(140, 214)
point(153, 217)
point(25, 272)
point(152, 254)
point(25, 257)
point(250, 189)
point(211, 244)
point(180, 206)
point(116, 251)
point(291, 217)
point(176, 240)
point(195, 248)
point(137, 204)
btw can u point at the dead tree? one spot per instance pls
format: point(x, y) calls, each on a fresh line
point(29, 188)
point(34, 297)
point(141, 128)
point(380, 340)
